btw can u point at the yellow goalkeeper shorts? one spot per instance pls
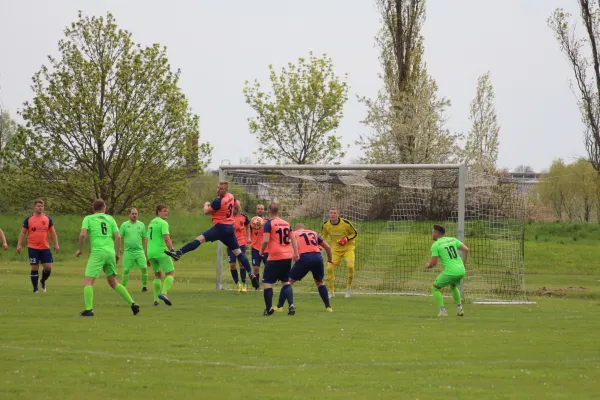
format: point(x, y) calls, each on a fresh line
point(346, 254)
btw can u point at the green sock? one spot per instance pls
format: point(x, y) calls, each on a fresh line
point(456, 295)
point(167, 284)
point(144, 277)
point(437, 295)
point(124, 293)
point(157, 283)
point(125, 278)
point(88, 296)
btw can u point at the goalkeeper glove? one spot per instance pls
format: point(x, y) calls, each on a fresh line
point(343, 241)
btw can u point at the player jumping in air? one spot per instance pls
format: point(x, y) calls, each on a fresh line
point(343, 242)
point(221, 210)
point(160, 241)
point(257, 239)
point(445, 249)
point(37, 227)
point(134, 248)
point(104, 237)
point(282, 249)
point(241, 226)
point(309, 259)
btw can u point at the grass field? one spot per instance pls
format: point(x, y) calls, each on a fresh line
point(217, 345)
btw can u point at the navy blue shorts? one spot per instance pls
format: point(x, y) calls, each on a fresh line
point(224, 233)
point(37, 257)
point(308, 262)
point(230, 255)
point(277, 270)
point(256, 259)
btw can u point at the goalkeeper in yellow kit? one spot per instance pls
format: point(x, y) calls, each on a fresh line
point(343, 242)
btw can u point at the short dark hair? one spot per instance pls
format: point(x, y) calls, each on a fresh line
point(99, 205)
point(38, 201)
point(160, 207)
point(274, 208)
point(439, 229)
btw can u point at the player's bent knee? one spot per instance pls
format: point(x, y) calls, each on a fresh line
point(201, 239)
point(236, 252)
point(232, 266)
point(319, 283)
point(48, 267)
point(88, 281)
point(112, 281)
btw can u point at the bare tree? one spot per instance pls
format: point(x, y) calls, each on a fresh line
point(583, 56)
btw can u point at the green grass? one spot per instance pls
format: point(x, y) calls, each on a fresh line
point(214, 345)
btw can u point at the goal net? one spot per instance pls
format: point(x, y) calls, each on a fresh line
point(394, 208)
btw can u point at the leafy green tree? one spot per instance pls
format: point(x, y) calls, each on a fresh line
point(8, 129)
point(295, 119)
point(108, 120)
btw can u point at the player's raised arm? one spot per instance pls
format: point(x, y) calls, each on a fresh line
point(3, 238)
point(352, 230)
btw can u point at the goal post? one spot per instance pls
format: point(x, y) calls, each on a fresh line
point(394, 207)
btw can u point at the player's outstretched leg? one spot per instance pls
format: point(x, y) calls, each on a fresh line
point(122, 291)
point(191, 246)
point(45, 275)
point(243, 260)
point(456, 296)
point(439, 299)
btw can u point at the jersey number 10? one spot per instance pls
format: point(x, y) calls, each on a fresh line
point(451, 252)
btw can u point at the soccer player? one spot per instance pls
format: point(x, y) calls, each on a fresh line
point(343, 242)
point(104, 237)
point(241, 226)
point(221, 210)
point(445, 249)
point(36, 227)
point(257, 239)
point(309, 259)
point(134, 248)
point(160, 240)
point(282, 249)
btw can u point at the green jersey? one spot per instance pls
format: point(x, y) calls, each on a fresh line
point(132, 234)
point(101, 228)
point(446, 249)
point(156, 243)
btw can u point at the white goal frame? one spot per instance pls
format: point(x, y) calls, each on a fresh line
point(461, 191)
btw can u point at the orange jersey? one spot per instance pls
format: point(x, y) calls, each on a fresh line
point(257, 236)
point(240, 222)
point(222, 209)
point(280, 246)
point(308, 241)
point(37, 227)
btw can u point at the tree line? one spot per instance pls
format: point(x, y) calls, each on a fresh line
point(109, 120)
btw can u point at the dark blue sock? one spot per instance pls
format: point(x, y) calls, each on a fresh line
point(289, 294)
point(191, 246)
point(281, 301)
point(34, 279)
point(245, 263)
point(234, 274)
point(243, 275)
point(324, 295)
point(268, 295)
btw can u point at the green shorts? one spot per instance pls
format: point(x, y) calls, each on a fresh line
point(130, 260)
point(163, 263)
point(101, 261)
point(444, 280)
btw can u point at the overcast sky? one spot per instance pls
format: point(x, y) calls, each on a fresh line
point(220, 44)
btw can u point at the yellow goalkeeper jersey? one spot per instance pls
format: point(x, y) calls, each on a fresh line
point(343, 228)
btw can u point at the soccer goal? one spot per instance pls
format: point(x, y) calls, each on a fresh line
point(394, 208)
